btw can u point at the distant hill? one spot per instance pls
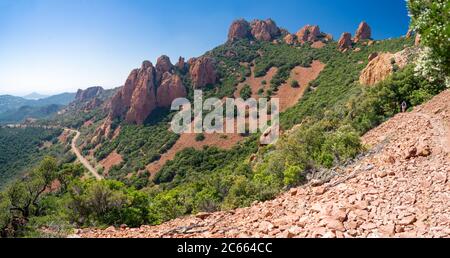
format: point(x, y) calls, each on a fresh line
point(16, 109)
point(25, 112)
point(35, 96)
point(11, 103)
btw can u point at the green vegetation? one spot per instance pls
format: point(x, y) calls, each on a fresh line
point(295, 84)
point(431, 19)
point(20, 147)
point(200, 137)
point(139, 146)
point(19, 115)
point(246, 92)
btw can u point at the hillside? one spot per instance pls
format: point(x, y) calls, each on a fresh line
point(17, 109)
point(398, 189)
point(341, 133)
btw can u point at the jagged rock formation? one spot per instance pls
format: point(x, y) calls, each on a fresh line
point(239, 29)
point(264, 30)
point(289, 39)
point(163, 65)
point(363, 32)
point(181, 64)
point(88, 94)
point(146, 89)
point(383, 65)
point(171, 88)
point(202, 71)
point(309, 33)
point(372, 56)
point(386, 193)
point(345, 41)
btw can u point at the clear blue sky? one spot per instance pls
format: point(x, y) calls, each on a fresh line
point(50, 46)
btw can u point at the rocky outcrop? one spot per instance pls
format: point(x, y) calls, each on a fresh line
point(383, 65)
point(163, 65)
point(146, 89)
point(202, 71)
point(289, 39)
point(345, 41)
point(309, 33)
point(372, 56)
point(264, 30)
point(181, 64)
point(417, 40)
point(171, 88)
point(363, 32)
point(239, 29)
point(143, 99)
point(88, 94)
point(410, 33)
point(94, 103)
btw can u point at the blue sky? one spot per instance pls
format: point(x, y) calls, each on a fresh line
point(51, 46)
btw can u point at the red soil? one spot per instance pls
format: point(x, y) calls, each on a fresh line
point(111, 160)
point(288, 95)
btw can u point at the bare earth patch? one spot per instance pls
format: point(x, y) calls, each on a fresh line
point(255, 83)
point(288, 95)
point(111, 160)
point(187, 140)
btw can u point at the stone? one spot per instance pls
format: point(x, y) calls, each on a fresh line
point(264, 30)
point(363, 32)
point(289, 39)
point(309, 33)
point(345, 41)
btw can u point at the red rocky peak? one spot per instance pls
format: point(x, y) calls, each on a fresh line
point(363, 32)
point(202, 71)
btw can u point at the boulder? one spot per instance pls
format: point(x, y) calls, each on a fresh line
point(289, 39)
point(345, 41)
point(363, 32)
point(309, 33)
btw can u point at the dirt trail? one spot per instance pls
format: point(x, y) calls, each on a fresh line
point(80, 157)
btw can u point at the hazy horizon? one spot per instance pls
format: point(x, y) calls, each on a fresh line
point(51, 46)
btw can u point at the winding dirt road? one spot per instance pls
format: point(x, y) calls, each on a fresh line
point(80, 157)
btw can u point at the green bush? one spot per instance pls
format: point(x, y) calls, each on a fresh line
point(246, 92)
point(199, 137)
point(295, 84)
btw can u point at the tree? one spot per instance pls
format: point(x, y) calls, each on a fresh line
point(295, 84)
point(26, 194)
point(431, 19)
